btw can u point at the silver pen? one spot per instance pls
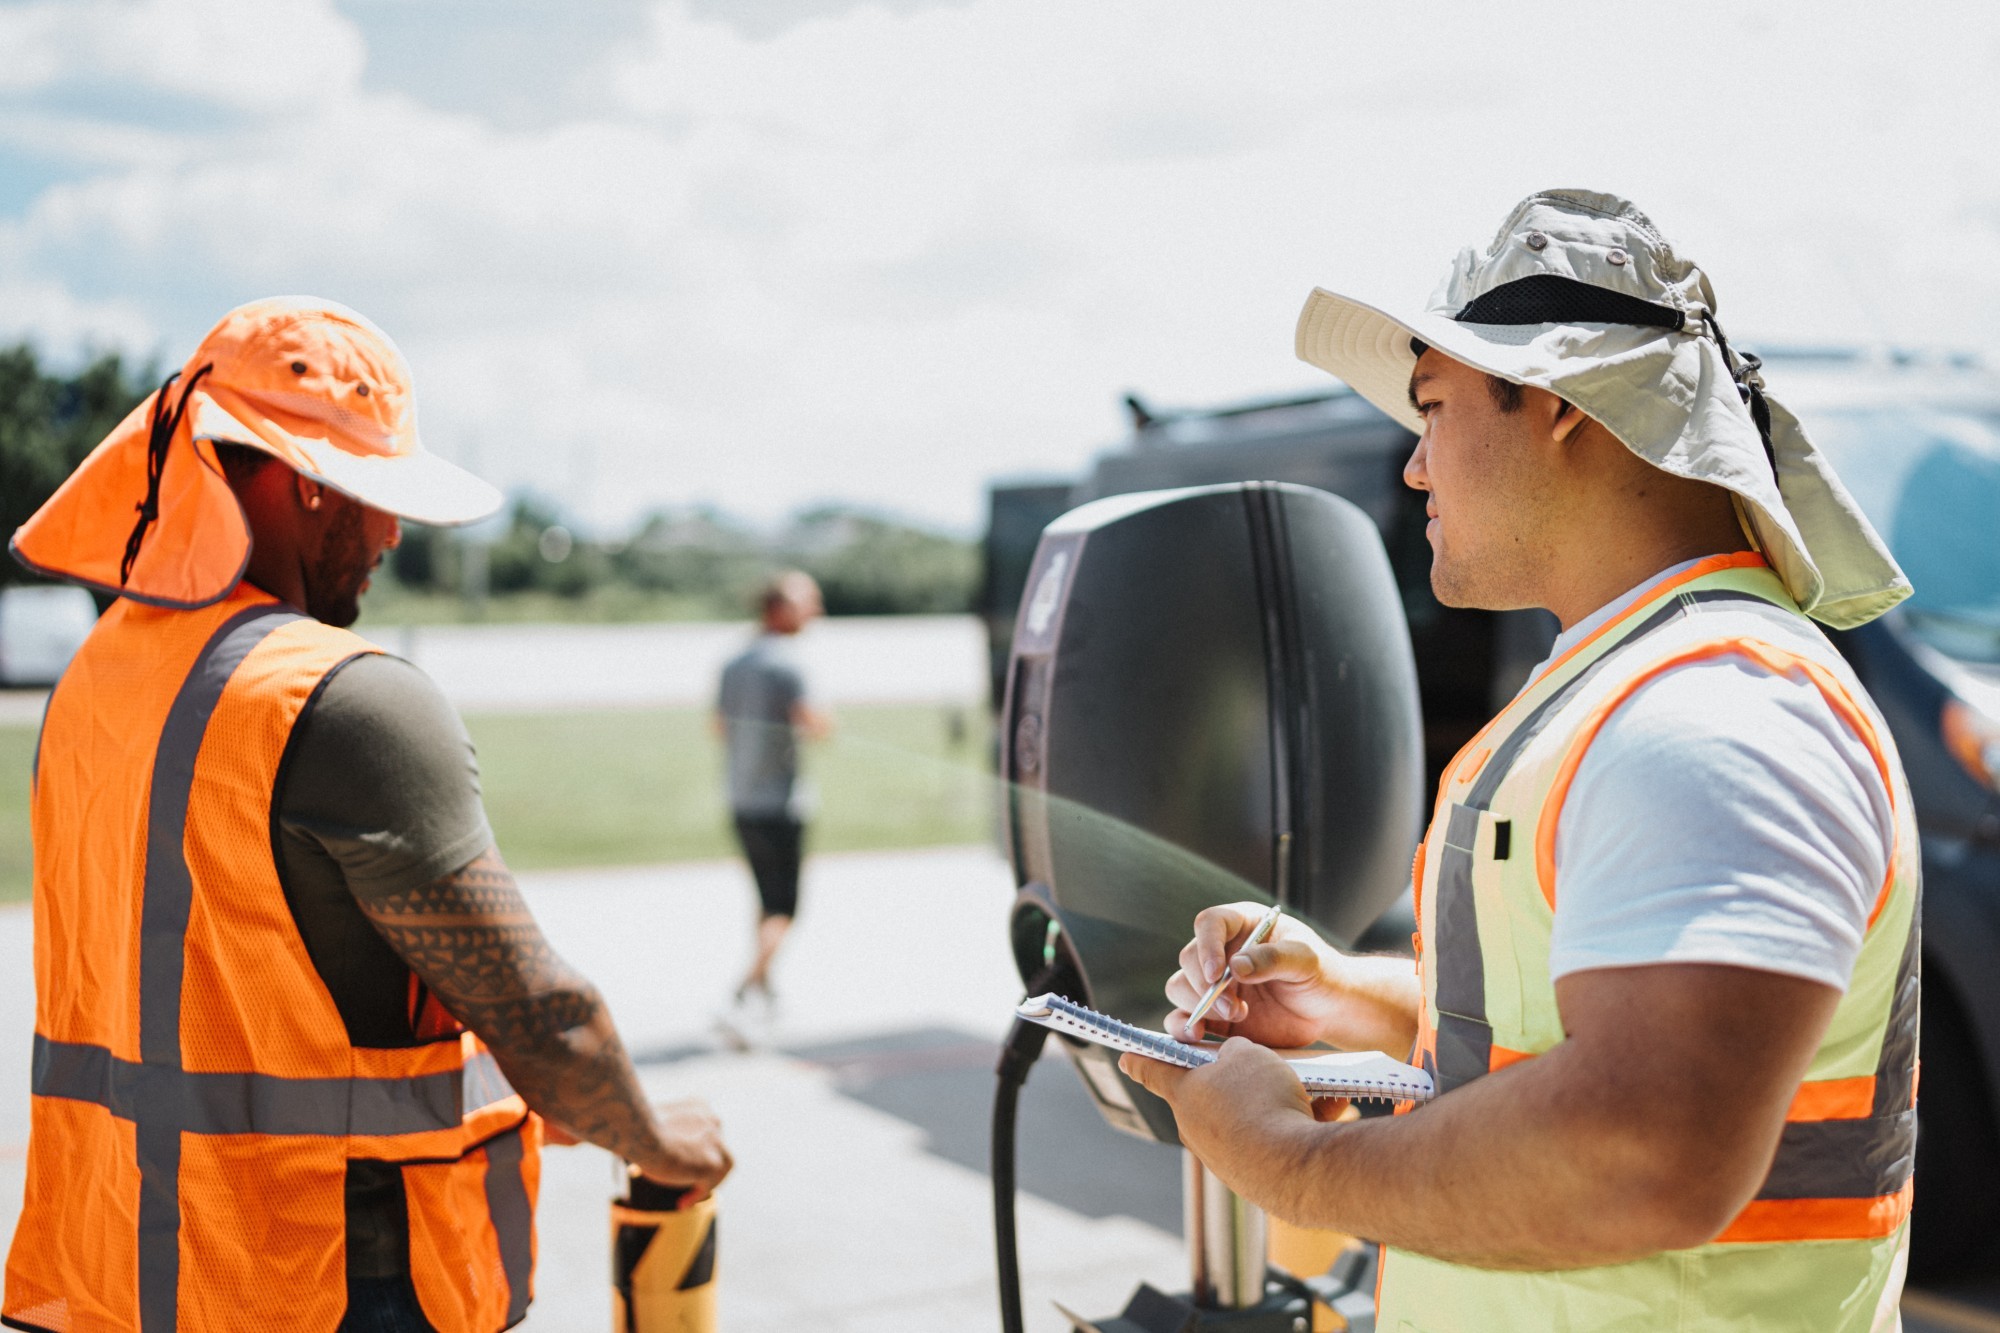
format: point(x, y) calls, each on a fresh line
point(1258, 934)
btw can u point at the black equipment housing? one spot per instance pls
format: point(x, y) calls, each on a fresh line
point(1211, 697)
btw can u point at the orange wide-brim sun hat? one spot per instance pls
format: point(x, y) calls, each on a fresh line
point(148, 515)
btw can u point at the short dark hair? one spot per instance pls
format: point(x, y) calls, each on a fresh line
point(241, 462)
point(1506, 394)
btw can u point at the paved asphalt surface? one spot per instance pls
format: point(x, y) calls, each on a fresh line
point(859, 1122)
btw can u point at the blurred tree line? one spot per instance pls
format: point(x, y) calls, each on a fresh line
point(48, 422)
point(701, 557)
point(865, 564)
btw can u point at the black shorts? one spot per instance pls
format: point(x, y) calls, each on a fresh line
point(774, 846)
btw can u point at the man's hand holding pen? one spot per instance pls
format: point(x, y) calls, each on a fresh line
point(1289, 990)
point(1292, 989)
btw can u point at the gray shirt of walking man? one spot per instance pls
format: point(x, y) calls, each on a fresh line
point(763, 713)
point(761, 688)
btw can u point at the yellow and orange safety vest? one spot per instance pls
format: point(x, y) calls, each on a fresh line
point(1818, 1249)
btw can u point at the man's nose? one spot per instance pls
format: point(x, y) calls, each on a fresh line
point(395, 535)
point(1416, 472)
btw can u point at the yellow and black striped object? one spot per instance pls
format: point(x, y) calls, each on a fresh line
point(662, 1261)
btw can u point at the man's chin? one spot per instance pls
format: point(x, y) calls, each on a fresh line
point(339, 612)
point(1453, 589)
point(1445, 583)
point(1447, 597)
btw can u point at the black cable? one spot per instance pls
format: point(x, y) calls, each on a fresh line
point(165, 425)
point(1017, 1057)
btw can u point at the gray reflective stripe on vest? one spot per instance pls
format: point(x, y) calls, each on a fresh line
point(1872, 1156)
point(1843, 1159)
point(217, 1103)
point(164, 1100)
point(1464, 1037)
point(169, 897)
point(484, 1083)
point(507, 1204)
point(1896, 1070)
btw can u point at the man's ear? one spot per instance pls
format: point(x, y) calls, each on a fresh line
point(1568, 417)
point(308, 490)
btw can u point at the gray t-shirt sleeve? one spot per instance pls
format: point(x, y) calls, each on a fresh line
point(383, 778)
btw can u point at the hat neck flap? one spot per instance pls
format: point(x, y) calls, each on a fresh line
point(148, 515)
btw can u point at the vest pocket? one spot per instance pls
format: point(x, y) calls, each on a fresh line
point(1480, 981)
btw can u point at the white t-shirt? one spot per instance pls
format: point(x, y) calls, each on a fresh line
point(1723, 814)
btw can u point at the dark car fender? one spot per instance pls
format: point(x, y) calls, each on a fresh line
point(1962, 940)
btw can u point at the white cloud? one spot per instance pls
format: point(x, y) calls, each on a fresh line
point(260, 55)
point(43, 312)
point(885, 252)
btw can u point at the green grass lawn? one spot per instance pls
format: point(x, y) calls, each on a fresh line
point(17, 755)
point(632, 786)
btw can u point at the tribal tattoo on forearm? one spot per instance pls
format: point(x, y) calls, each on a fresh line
point(472, 940)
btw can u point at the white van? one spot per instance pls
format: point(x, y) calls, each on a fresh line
point(41, 627)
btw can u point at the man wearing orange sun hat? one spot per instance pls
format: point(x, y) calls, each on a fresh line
point(296, 1032)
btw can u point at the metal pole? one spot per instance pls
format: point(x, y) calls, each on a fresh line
point(1226, 1241)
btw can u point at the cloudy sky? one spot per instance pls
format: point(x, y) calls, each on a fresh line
point(763, 253)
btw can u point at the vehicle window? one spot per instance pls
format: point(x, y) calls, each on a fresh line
point(1930, 482)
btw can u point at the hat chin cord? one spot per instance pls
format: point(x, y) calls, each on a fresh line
point(165, 426)
point(1747, 370)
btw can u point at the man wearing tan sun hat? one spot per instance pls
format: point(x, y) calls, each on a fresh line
point(1668, 929)
point(296, 1032)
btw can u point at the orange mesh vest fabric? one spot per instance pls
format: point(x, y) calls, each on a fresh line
point(195, 1098)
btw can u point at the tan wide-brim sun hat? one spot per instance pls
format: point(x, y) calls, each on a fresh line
point(149, 515)
point(1580, 295)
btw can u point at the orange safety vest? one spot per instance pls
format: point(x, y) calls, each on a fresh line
point(196, 1099)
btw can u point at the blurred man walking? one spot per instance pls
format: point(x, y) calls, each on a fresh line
point(763, 711)
point(295, 1030)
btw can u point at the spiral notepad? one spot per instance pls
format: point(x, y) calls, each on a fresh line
point(1358, 1074)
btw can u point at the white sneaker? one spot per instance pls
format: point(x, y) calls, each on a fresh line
point(735, 1027)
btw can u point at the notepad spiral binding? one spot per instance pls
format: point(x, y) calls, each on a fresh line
point(1111, 1031)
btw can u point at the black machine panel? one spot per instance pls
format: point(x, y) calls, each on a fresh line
point(1211, 697)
